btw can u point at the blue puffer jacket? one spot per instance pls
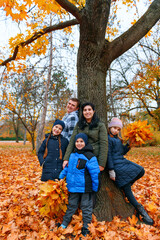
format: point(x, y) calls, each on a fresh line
point(52, 165)
point(82, 173)
point(125, 170)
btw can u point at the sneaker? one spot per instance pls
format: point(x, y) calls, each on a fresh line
point(85, 231)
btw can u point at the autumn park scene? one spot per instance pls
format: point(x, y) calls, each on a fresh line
point(105, 53)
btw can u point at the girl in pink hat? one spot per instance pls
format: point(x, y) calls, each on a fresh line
point(121, 170)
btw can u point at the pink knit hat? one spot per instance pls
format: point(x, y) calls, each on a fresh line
point(115, 122)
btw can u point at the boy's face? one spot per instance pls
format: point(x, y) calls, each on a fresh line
point(80, 143)
point(57, 129)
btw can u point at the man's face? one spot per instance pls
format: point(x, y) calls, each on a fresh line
point(71, 106)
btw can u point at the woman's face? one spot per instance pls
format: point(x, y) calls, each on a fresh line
point(115, 130)
point(88, 113)
point(57, 129)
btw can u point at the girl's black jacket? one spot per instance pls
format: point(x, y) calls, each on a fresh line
point(52, 165)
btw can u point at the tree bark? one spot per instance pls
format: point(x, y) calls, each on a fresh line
point(110, 201)
point(92, 66)
point(16, 127)
point(45, 103)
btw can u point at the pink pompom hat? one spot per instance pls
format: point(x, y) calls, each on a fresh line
point(115, 122)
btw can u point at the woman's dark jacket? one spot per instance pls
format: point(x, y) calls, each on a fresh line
point(82, 173)
point(52, 165)
point(97, 137)
point(126, 171)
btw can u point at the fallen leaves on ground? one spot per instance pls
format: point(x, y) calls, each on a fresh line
point(19, 191)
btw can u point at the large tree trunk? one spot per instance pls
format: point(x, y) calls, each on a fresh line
point(92, 67)
point(110, 201)
point(89, 67)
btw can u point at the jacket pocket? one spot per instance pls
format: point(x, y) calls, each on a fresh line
point(81, 163)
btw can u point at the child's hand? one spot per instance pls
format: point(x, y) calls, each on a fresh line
point(130, 142)
point(112, 175)
point(43, 163)
point(65, 162)
point(101, 168)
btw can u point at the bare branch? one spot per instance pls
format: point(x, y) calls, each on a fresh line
point(143, 45)
point(68, 6)
point(129, 38)
point(38, 35)
point(140, 107)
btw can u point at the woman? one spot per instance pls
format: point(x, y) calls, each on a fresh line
point(96, 131)
point(51, 152)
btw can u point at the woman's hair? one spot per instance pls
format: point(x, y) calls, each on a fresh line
point(82, 121)
point(46, 149)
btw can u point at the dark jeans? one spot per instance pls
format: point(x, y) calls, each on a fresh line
point(86, 205)
point(128, 191)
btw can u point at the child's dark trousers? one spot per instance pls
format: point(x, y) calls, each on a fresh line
point(86, 205)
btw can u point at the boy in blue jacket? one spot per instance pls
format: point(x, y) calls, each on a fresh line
point(82, 177)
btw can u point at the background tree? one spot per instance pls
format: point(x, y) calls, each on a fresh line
point(24, 95)
point(95, 54)
point(138, 76)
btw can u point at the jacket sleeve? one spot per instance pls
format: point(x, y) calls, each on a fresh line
point(110, 164)
point(93, 168)
point(63, 173)
point(126, 148)
point(66, 142)
point(103, 145)
point(41, 152)
point(71, 144)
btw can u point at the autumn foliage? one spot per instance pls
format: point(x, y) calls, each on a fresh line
point(53, 199)
point(137, 132)
point(21, 189)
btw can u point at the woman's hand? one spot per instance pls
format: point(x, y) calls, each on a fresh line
point(101, 168)
point(65, 162)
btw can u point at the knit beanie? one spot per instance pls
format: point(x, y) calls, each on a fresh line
point(115, 122)
point(83, 136)
point(60, 122)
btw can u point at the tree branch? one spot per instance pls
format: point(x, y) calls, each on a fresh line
point(38, 35)
point(143, 45)
point(129, 38)
point(128, 110)
point(68, 6)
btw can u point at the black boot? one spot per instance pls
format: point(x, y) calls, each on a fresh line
point(85, 231)
point(145, 217)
